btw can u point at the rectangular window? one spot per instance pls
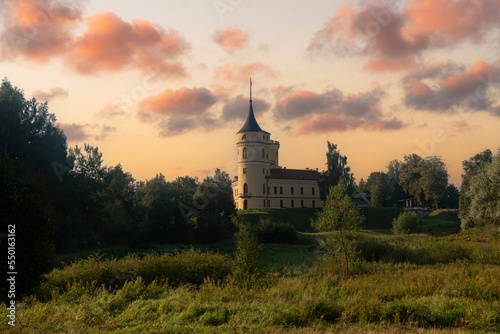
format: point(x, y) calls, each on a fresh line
point(281, 190)
point(314, 203)
point(313, 190)
point(291, 190)
point(264, 203)
point(264, 188)
point(301, 203)
point(268, 203)
point(275, 190)
point(292, 204)
point(281, 203)
point(263, 171)
point(302, 190)
point(244, 170)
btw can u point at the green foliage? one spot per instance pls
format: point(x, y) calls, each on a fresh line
point(484, 195)
point(406, 223)
point(191, 267)
point(26, 214)
point(379, 189)
point(425, 179)
point(340, 215)
point(337, 170)
point(275, 232)
point(248, 257)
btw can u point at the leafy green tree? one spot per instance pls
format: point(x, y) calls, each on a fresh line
point(394, 178)
point(434, 179)
point(248, 258)
point(425, 179)
point(222, 179)
point(28, 132)
point(337, 170)
point(471, 167)
point(379, 189)
point(26, 213)
point(410, 175)
point(340, 216)
point(484, 195)
point(451, 197)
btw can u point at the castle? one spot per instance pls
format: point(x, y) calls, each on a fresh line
point(261, 182)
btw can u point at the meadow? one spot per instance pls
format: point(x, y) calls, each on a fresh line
point(438, 281)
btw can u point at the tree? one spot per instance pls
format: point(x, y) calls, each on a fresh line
point(27, 213)
point(484, 195)
point(337, 170)
point(379, 189)
point(471, 167)
point(340, 216)
point(410, 176)
point(221, 179)
point(248, 257)
point(394, 178)
point(425, 179)
point(451, 197)
point(434, 179)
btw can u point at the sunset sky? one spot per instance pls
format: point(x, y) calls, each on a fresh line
point(163, 86)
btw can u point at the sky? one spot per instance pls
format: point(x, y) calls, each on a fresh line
point(163, 86)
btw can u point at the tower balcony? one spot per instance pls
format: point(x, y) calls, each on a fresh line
point(245, 195)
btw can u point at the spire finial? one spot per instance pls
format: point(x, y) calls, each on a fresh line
point(250, 89)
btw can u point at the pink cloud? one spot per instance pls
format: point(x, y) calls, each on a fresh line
point(110, 44)
point(231, 39)
point(453, 85)
point(37, 30)
point(395, 40)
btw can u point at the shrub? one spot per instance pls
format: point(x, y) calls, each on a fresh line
point(275, 232)
point(446, 252)
point(191, 267)
point(373, 249)
point(406, 223)
point(248, 255)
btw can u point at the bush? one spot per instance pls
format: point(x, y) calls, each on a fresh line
point(275, 232)
point(406, 223)
point(248, 255)
point(373, 249)
point(191, 267)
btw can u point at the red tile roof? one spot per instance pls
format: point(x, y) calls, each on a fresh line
point(294, 174)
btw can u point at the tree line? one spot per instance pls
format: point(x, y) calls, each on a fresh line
point(65, 199)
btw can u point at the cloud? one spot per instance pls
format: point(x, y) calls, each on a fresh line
point(443, 86)
point(109, 44)
point(178, 111)
point(396, 39)
point(184, 101)
point(334, 111)
point(111, 111)
point(74, 132)
point(237, 108)
point(53, 93)
point(37, 30)
point(231, 39)
point(242, 72)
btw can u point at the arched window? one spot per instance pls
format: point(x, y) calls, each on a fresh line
point(245, 153)
point(244, 137)
point(245, 188)
point(263, 153)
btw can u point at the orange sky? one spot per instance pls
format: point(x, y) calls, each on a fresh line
point(162, 86)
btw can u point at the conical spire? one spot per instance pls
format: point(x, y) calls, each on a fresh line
point(251, 124)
